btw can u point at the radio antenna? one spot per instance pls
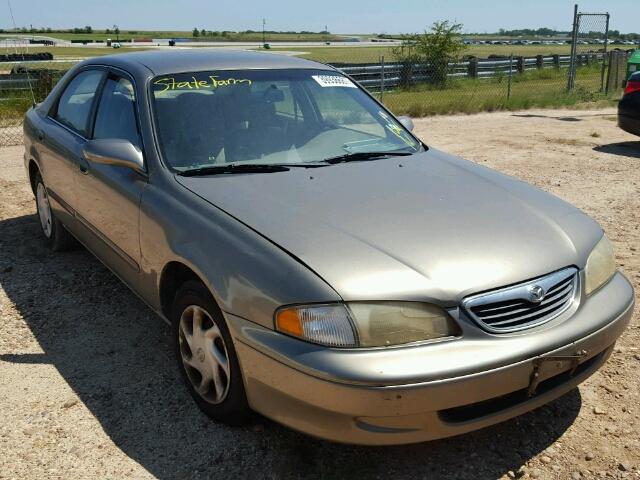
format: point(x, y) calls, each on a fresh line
point(26, 68)
point(15, 28)
point(11, 13)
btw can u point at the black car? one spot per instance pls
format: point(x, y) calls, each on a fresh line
point(629, 106)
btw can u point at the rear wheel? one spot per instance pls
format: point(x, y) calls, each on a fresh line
point(57, 237)
point(206, 356)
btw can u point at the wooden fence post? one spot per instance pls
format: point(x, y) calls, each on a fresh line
point(556, 61)
point(406, 74)
point(612, 73)
point(45, 84)
point(382, 79)
point(510, 77)
point(473, 68)
point(520, 64)
point(539, 62)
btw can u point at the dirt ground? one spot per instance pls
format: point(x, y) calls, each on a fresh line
point(88, 388)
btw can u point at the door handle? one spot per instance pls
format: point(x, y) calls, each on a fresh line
point(83, 166)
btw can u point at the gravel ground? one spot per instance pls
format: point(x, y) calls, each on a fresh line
point(88, 387)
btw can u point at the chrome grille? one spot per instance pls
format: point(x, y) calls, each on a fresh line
point(524, 305)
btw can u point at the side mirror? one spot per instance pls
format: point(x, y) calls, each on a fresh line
point(406, 122)
point(114, 151)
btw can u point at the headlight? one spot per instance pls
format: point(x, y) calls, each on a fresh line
point(601, 265)
point(325, 324)
point(366, 324)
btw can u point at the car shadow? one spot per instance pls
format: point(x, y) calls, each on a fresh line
point(115, 354)
point(624, 149)
point(563, 118)
point(532, 115)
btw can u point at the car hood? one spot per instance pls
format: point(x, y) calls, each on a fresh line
point(429, 227)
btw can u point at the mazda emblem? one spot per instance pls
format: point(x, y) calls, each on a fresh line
point(536, 294)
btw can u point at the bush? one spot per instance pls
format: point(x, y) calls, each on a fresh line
point(438, 47)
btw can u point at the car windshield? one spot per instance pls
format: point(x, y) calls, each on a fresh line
point(270, 117)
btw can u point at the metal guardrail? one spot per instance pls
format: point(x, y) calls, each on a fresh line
point(40, 81)
point(395, 74)
point(18, 82)
point(370, 74)
point(26, 57)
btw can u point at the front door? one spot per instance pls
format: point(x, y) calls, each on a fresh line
point(108, 196)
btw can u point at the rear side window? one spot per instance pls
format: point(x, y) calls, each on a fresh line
point(116, 117)
point(74, 106)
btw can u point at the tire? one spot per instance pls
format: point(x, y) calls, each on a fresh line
point(203, 347)
point(56, 235)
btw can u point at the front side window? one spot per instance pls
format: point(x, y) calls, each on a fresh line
point(269, 117)
point(74, 106)
point(116, 115)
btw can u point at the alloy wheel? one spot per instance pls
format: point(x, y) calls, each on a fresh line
point(204, 354)
point(44, 210)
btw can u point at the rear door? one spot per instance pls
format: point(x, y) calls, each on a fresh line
point(108, 196)
point(62, 138)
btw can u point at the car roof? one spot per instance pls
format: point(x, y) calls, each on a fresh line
point(176, 60)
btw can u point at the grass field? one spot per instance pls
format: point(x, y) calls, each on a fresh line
point(13, 109)
point(543, 88)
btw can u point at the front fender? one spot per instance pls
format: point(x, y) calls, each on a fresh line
point(248, 275)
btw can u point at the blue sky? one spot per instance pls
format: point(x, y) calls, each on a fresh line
point(341, 16)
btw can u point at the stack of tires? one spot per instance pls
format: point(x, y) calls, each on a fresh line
point(26, 57)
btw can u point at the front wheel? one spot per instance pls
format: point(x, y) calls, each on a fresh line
point(57, 237)
point(206, 356)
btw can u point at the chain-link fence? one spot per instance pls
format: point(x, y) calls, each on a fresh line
point(504, 74)
point(586, 76)
point(477, 84)
point(24, 80)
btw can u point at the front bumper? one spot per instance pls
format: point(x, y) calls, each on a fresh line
point(376, 397)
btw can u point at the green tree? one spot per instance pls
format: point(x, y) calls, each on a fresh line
point(196, 32)
point(88, 29)
point(436, 48)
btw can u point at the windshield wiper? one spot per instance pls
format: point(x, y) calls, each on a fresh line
point(363, 156)
point(234, 168)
